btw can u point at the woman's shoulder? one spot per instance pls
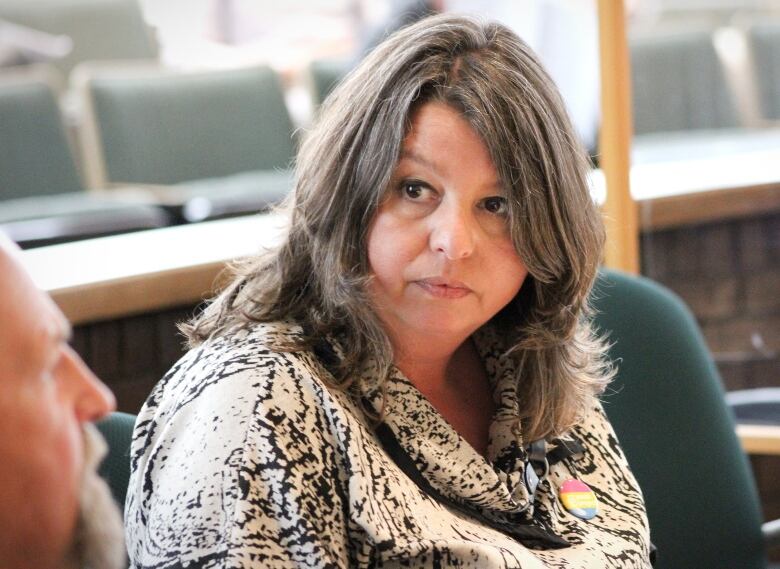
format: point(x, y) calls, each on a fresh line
point(256, 346)
point(263, 340)
point(251, 363)
point(234, 390)
point(240, 424)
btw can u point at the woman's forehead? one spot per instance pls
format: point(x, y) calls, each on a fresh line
point(438, 130)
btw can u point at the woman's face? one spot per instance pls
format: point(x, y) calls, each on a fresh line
point(439, 248)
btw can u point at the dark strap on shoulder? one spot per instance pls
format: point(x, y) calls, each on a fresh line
point(563, 450)
point(526, 533)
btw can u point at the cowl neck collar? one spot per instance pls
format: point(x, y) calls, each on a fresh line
point(493, 483)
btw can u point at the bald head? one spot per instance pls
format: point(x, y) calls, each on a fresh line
point(29, 318)
point(46, 396)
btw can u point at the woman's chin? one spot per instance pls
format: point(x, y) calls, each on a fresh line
point(445, 325)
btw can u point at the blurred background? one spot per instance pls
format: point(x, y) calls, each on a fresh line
point(130, 115)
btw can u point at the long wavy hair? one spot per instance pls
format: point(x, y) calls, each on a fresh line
point(318, 276)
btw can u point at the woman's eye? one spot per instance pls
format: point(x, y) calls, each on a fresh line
point(496, 205)
point(413, 190)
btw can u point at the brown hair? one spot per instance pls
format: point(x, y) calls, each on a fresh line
point(318, 276)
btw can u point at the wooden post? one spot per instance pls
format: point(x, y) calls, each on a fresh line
point(620, 210)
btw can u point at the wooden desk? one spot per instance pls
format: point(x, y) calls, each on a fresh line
point(691, 192)
point(760, 439)
point(703, 188)
point(110, 277)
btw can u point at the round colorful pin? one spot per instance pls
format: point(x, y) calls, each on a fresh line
point(578, 499)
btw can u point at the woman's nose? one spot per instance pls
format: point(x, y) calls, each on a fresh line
point(452, 232)
point(91, 398)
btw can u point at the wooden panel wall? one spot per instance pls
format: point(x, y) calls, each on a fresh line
point(132, 353)
point(728, 272)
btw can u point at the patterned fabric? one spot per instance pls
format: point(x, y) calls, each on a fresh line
point(243, 457)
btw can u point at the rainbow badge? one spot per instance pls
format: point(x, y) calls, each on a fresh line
point(578, 499)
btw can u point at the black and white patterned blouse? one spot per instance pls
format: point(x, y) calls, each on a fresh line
point(242, 457)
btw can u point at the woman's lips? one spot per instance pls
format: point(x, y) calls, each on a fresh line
point(443, 288)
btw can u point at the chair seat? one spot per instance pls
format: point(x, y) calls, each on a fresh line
point(71, 203)
point(213, 198)
point(46, 220)
point(247, 192)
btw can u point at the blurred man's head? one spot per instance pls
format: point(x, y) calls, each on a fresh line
point(54, 510)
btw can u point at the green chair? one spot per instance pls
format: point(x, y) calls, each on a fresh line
point(667, 406)
point(35, 158)
point(679, 83)
point(223, 138)
point(117, 429)
point(42, 200)
point(161, 127)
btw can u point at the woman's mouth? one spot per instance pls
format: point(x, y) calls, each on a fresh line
point(443, 288)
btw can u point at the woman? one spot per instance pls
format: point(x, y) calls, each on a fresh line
point(410, 379)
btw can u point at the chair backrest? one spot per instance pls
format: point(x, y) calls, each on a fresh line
point(117, 429)
point(162, 127)
point(667, 406)
point(99, 29)
point(35, 158)
point(764, 41)
point(679, 83)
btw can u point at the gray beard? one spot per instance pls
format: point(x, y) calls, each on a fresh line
point(98, 542)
